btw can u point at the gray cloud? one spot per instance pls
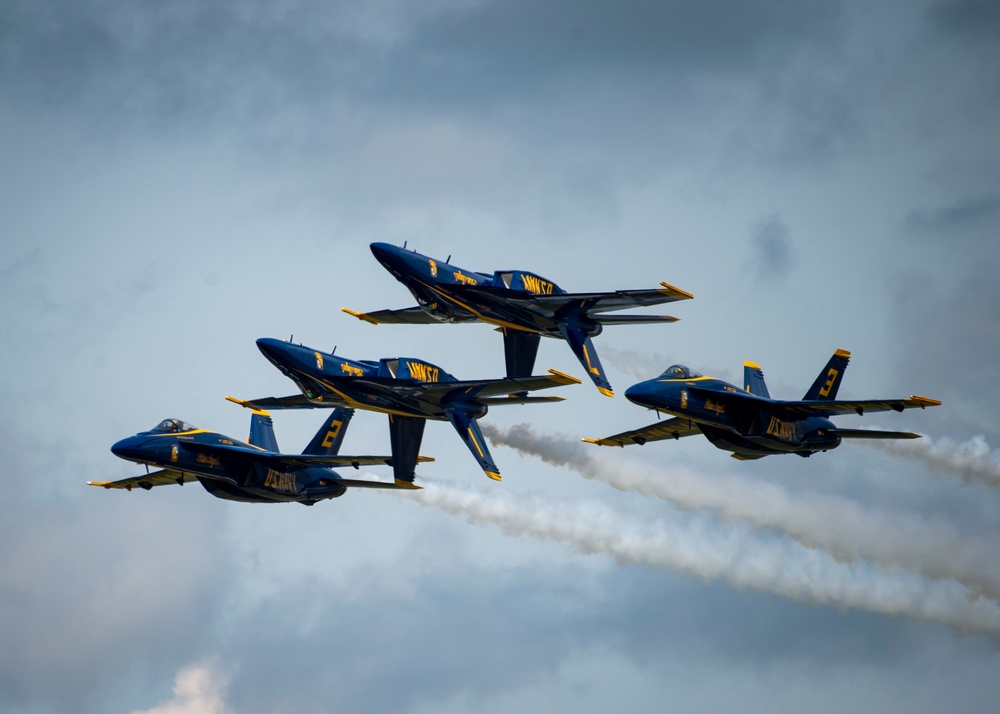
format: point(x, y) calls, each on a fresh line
point(772, 255)
point(977, 21)
point(184, 178)
point(957, 219)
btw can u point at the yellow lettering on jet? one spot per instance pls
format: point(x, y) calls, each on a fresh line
point(714, 406)
point(279, 481)
point(204, 459)
point(784, 430)
point(465, 279)
point(351, 369)
point(536, 285)
point(423, 372)
point(332, 433)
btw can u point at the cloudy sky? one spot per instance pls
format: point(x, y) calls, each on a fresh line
point(179, 179)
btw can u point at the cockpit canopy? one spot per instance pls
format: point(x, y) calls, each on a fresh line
point(679, 371)
point(172, 426)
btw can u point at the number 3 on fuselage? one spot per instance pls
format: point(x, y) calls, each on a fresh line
point(747, 421)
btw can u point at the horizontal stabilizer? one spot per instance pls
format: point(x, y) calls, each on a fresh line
point(872, 434)
point(632, 319)
point(479, 389)
point(358, 483)
point(513, 399)
point(407, 316)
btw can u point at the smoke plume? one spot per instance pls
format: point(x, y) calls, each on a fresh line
point(972, 460)
point(732, 554)
point(844, 528)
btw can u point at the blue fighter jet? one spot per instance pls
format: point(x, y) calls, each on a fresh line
point(747, 421)
point(522, 305)
point(255, 471)
point(409, 390)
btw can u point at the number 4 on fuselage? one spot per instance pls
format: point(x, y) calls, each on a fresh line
point(747, 421)
point(523, 306)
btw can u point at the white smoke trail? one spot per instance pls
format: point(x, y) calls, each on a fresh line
point(849, 531)
point(730, 554)
point(972, 460)
point(641, 366)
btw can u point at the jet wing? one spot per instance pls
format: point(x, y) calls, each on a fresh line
point(293, 461)
point(437, 391)
point(458, 390)
point(147, 481)
point(587, 302)
point(415, 315)
point(840, 406)
point(294, 401)
point(670, 429)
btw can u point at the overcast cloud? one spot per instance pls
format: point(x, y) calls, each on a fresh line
point(182, 178)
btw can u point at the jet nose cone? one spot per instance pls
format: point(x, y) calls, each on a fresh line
point(382, 251)
point(642, 392)
point(390, 256)
point(275, 350)
point(128, 448)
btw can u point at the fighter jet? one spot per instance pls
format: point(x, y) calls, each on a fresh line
point(747, 421)
point(253, 471)
point(409, 390)
point(522, 305)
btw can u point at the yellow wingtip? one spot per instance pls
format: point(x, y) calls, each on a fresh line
point(408, 485)
point(925, 401)
point(669, 289)
point(242, 402)
point(493, 475)
point(103, 484)
point(591, 441)
point(751, 365)
point(842, 353)
point(424, 459)
point(360, 315)
point(606, 392)
point(563, 377)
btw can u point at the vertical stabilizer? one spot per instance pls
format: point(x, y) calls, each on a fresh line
point(405, 435)
point(520, 349)
point(828, 382)
point(331, 435)
point(753, 380)
point(583, 348)
point(262, 431)
point(468, 428)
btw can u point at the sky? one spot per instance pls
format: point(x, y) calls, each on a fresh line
point(180, 179)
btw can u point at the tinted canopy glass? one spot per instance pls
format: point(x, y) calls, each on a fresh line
point(173, 425)
point(679, 371)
